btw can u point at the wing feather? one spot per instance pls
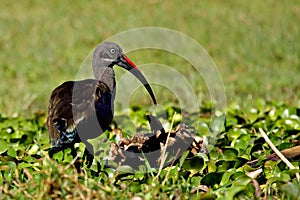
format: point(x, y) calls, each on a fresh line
point(73, 103)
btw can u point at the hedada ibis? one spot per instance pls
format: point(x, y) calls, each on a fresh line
point(81, 110)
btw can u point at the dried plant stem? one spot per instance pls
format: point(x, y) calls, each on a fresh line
point(163, 154)
point(278, 153)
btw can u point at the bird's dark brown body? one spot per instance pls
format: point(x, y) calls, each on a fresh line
point(82, 110)
point(67, 111)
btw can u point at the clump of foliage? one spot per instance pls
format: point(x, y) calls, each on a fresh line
point(226, 172)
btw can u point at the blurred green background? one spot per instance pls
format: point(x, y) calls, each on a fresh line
point(255, 44)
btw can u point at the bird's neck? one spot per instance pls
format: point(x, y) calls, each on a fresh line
point(107, 76)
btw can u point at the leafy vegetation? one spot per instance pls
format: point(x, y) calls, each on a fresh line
point(256, 48)
point(26, 170)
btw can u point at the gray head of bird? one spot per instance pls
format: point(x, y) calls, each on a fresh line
point(109, 54)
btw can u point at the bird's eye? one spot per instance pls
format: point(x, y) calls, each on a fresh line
point(112, 51)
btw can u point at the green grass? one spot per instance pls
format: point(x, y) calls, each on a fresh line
point(254, 44)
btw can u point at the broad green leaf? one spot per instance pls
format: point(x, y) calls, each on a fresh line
point(233, 191)
point(217, 124)
point(58, 156)
point(33, 150)
point(212, 178)
point(3, 146)
point(291, 189)
point(230, 153)
point(12, 152)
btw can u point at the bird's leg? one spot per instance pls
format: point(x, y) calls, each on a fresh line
point(77, 162)
point(89, 158)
